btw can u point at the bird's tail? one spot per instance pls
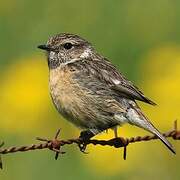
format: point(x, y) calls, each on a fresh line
point(153, 130)
point(136, 117)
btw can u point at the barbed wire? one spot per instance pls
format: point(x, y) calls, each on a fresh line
point(56, 143)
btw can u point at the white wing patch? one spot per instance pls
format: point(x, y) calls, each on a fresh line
point(115, 81)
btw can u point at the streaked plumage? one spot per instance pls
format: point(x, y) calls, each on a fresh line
point(89, 91)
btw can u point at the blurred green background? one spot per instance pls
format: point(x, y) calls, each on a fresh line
point(142, 38)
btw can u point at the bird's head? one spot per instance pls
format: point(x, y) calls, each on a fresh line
point(64, 48)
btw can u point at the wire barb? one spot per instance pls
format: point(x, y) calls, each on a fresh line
point(1, 164)
point(56, 143)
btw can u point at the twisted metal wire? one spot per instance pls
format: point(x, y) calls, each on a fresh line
point(55, 144)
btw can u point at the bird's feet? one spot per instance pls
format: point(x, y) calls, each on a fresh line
point(84, 138)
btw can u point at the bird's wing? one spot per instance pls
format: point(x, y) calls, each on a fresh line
point(118, 82)
point(105, 71)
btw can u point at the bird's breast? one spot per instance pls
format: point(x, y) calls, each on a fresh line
point(66, 94)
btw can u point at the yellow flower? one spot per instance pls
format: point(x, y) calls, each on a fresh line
point(24, 94)
point(162, 77)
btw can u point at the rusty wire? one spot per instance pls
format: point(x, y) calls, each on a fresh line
point(55, 144)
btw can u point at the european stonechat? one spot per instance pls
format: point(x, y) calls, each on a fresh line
point(89, 91)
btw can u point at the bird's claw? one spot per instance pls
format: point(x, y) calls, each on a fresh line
point(82, 146)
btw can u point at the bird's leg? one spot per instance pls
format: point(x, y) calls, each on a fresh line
point(85, 136)
point(115, 131)
point(88, 134)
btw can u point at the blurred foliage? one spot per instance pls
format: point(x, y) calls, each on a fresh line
point(141, 37)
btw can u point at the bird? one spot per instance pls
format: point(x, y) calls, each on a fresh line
point(90, 92)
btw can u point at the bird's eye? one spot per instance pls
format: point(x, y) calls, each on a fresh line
point(68, 45)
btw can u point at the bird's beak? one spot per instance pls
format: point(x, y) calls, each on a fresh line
point(45, 47)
